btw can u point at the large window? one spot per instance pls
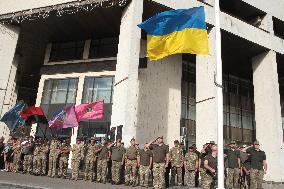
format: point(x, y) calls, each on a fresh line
point(97, 88)
point(102, 48)
point(57, 93)
point(67, 51)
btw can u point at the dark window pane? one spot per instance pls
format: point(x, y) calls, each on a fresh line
point(101, 48)
point(67, 51)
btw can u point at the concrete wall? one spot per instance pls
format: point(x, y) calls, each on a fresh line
point(125, 96)
point(268, 113)
point(159, 100)
point(8, 64)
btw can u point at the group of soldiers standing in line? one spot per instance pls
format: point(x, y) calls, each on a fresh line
point(133, 166)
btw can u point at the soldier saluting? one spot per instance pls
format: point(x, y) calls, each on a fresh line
point(77, 156)
point(160, 161)
point(63, 160)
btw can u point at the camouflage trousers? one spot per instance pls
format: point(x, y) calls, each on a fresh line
point(43, 160)
point(256, 178)
point(36, 164)
point(52, 164)
point(208, 181)
point(176, 171)
point(101, 170)
point(75, 166)
point(16, 162)
point(189, 178)
point(27, 164)
point(63, 166)
point(159, 175)
point(89, 169)
point(232, 180)
point(116, 170)
point(144, 172)
point(131, 171)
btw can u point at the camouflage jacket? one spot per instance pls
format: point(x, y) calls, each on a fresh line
point(190, 161)
point(90, 151)
point(176, 155)
point(44, 150)
point(78, 151)
point(54, 148)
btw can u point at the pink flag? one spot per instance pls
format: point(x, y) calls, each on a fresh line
point(66, 118)
point(70, 118)
point(93, 110)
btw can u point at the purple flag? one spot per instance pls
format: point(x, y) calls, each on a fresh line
point(70, 118)
point(66, 118)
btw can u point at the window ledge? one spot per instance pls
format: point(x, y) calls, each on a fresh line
point(79, 61)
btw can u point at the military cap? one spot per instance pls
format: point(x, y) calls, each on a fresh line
point(244, 146)
point(93, 138)
point(118, 140)
point(256, 142)
point(133, 139)
point(160, 137)
point(212, 142)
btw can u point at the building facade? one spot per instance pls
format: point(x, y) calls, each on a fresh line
point(56, 53)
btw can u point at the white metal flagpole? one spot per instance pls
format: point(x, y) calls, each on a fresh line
point(219, 97)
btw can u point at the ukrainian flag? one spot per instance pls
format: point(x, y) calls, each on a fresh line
point(176, 31)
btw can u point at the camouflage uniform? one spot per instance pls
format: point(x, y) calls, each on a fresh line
point(77, 156)
point(102, 164)
point(53, 157)
point(210, 178)
point(17, 157)
point(117, 161)
point(43, 159)
point(36, 159)
point(144, 172)
point(90, 161)
point(190, 160)
point(63, 160)
point(131, 165)
point(176, 154)
point(28, 158)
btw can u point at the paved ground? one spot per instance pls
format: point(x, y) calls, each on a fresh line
point(19, 181)
point(10, 180)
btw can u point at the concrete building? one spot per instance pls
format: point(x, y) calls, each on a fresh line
point(59, 52)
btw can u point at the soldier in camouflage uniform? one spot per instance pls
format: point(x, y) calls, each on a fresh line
point(53, 157)
point(117, 157)
point(28, 156)
point(90, 160)
point(43, 157)
point(103, 157)
point(63, 160)
point(191, 167)
point(160, 161)
point(16, 156)
point(145, 162)
point(210, 165)
point(176, 158)
point(77, 156)
point(36, 158)
point(131, 156)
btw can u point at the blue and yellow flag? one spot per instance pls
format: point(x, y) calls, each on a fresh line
point(176, 31)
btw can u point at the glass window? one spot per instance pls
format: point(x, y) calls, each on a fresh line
point(101, 48)
point(97, 88)
point(67, 51)
point(59, 91)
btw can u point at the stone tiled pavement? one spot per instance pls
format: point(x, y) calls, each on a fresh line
point(19, 181)
point(10, 180)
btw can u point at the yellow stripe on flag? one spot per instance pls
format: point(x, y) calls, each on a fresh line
point(189, 40)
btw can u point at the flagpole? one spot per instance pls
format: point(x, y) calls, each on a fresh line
point(219, 97)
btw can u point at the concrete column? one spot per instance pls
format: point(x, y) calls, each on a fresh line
point(8, 64)
point(159, 109)
point(125, 97)
point(268, 113)
point(206, 91)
